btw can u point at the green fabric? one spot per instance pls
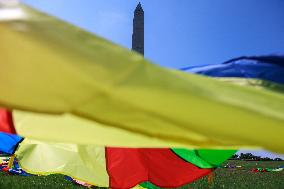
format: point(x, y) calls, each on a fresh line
point(215, 157)
point(205, 158)
point(192, 157)
point(149, 185)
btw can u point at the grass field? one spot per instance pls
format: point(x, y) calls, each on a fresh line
point(223, 178)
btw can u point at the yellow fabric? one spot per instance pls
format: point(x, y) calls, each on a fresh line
point(49, 66)
point(1, 159)
point(11, 161)
point(83, 162)
point(80, 130)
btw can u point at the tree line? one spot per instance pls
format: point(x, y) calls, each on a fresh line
point(250, 156)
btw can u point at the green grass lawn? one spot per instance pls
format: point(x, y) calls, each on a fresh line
point(243, 178)
point(224, 178)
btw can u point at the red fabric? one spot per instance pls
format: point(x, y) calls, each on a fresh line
point(128, 167)
point(6, 122)
point(254, 170)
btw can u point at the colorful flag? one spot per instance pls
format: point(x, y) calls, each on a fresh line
point(67, 77)
point(108, 167)
point(267, 68)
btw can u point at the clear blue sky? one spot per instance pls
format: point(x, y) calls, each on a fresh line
point(179, 33)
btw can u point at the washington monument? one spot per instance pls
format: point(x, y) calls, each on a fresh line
point(138, 30)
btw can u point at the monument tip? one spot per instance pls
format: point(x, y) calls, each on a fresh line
point(139, 7)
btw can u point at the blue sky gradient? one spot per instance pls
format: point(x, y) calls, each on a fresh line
point(180, 33)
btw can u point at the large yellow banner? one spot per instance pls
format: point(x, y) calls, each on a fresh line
point(72, 86)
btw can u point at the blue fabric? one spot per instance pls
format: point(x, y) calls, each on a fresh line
point(270, 68)
point(9, 142)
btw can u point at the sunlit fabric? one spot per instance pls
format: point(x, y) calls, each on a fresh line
point(8, 140)
point(270, 68)
point(108, 167)
point(86, 163)
point(64, 72)
point(161, 167)
point(205, 158)
point(6, 122)
point(9, 143)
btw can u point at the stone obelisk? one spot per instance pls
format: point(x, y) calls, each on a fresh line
point(138, 30)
